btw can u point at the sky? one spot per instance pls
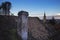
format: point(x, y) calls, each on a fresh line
point(35, 7)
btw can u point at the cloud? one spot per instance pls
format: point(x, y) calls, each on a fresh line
point(36, 15)
point(58, 14)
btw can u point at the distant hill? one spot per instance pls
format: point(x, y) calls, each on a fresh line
point(57, 16)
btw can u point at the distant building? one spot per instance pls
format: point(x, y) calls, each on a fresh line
point(44, 18)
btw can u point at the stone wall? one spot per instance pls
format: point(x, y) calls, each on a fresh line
point(7, 28)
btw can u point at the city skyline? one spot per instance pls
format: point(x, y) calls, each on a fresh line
point(35, 7)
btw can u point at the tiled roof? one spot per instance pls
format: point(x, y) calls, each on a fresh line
point(35, 26)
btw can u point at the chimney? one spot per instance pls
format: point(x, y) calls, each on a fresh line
point(22, 27)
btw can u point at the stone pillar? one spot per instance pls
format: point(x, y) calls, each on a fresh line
point(22, 27)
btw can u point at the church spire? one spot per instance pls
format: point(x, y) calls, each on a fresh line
point(44, 18)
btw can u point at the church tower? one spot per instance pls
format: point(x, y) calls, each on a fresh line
point(44, 18)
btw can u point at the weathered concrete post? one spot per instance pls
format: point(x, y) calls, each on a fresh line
point(23, 25)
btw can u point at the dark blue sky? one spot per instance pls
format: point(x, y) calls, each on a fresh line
point(35, 7)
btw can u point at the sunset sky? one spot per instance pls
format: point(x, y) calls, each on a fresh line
point(35, 7)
